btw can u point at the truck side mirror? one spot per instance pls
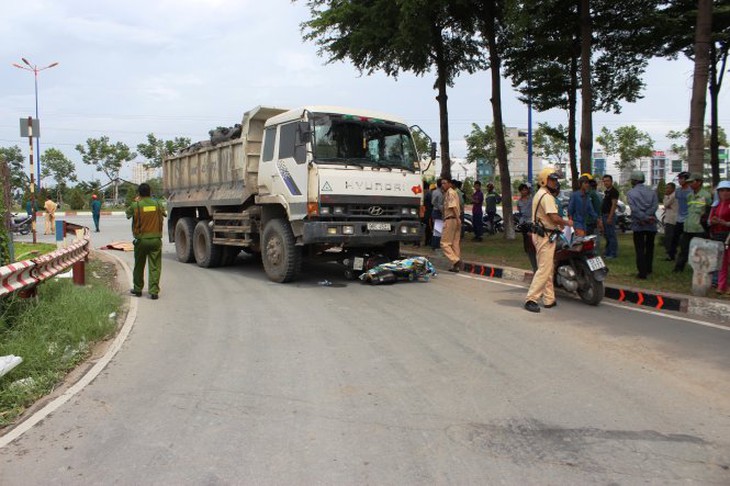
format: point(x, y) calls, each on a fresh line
point(304, 132)
point(433, 150)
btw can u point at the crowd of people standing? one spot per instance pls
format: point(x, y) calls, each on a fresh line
point(690, 211)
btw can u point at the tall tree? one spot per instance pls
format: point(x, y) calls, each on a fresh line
point(403, 36)
point(57, 166)
point(628, 143)
point(156, 149)
point(543, 59)
point(491, 15)
point(703, 38)
point(586, 49)
point(677, 25)
point(106, 157)
point(19, 178)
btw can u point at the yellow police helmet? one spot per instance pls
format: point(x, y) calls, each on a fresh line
point(547, 172)
point(587, 176)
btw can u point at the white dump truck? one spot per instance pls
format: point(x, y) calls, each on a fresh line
point(317, 182)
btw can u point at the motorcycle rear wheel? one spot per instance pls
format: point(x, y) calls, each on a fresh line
point(592, 294)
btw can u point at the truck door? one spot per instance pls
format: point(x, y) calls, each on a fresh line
point(286, 170)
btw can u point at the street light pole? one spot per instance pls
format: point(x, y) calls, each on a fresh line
point(35, 70)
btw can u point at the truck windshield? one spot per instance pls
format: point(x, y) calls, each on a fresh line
point(363, 142)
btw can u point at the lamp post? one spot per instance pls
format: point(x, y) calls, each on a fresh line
point(35, 70)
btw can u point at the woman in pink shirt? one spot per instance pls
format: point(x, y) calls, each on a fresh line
point(720, 229)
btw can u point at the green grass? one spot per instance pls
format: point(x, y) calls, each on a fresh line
point(27, 251)
point(497, 251)
point(53, 333)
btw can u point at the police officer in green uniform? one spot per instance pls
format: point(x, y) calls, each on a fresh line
point(147, 215)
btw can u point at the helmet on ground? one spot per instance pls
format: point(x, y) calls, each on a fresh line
point(545, 174)
point(637, 176)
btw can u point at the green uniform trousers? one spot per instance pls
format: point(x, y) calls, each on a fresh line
point(147, 250)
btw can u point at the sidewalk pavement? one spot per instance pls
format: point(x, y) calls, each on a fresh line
point(700, 307)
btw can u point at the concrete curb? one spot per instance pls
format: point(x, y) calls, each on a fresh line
point(648, 299)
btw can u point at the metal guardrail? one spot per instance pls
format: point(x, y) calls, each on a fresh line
point(27, 274)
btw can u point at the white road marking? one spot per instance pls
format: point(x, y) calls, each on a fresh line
point(626, 306)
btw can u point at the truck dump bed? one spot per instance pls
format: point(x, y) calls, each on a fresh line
point(223, 173)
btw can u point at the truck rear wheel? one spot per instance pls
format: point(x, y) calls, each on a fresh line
point(207, 254)
point(184, 239)
point(282, 259)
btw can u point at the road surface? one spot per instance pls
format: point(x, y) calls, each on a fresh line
point(232, 379)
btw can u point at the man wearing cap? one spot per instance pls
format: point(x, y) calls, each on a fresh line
point(698, 206)
point(491, 199)
point(643, 203)
point(95, 210)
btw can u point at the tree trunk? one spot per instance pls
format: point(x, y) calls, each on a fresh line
point(703, 38)
point(586, 135)
point(714, 136)
point(441, 85)
point(496, 99)
point(572, 122)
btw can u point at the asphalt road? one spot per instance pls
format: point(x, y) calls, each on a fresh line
point(231, 379)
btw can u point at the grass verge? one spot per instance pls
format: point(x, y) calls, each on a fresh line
point(54, 333)
point(497, 251)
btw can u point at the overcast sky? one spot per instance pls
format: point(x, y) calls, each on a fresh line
point(182, 67)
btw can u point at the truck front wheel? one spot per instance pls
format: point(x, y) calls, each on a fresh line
point(184, 239)
point(207, 254)
point(282, 258)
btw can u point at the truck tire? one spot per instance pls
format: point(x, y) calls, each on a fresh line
point(184, 239)
point(207, 254)
point(282, 258)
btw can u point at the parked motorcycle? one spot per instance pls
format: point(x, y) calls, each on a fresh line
point(21, 224)
point(488, 227)
point(578, 269)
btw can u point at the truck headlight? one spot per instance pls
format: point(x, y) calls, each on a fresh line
point(324, 210)
point(414, 212)
point(405, 211)
point(404, 230)
point(414, 230)
point(348, 230)
point(339, 210)
point(332, 230)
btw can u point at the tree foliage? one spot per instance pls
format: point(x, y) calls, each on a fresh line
point(19, 178)
point(551, 143)
point(481, 144)
point(58, 167)
point(156, 149)
point(106, 157)
point(628, 143)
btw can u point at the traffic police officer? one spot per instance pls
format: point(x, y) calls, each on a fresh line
point(545, 213)
point(147, 215)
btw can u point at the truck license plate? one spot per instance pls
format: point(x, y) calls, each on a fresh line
point(378, 226)
point(596, 263)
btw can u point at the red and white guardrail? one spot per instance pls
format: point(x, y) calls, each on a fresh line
point(27, 274)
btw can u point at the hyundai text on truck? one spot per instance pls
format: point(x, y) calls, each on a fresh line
point(316, 182)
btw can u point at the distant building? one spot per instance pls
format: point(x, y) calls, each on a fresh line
point(142, 174)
